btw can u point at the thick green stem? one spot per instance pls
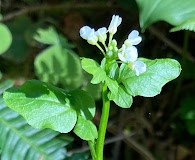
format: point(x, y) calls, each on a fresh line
point(92, 149)
point(103, 124)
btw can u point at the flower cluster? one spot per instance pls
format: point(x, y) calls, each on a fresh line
point(127, 53)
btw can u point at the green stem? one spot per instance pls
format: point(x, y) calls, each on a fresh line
point(92, 149)
point(103, 124)
point(110, 38)
point(100, 48)
point(105, 46)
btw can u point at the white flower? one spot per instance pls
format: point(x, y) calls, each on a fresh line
point(128, 54)
point(89, 34)
point(133, 38)
point(85, 31)
point(101, 34)
point(92, 39)
point(139, 67)
point(115, 22)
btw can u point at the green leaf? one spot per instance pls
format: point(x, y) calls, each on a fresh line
point(175, 12)
point(148, 84)
point(85, 129)
point(6, 38)
point(122, 98)
point(20, 141)
point(19, 49)
point(187, 110)
point(187, 113)
point(112, 84)
point(92, 67)
point(83, 102)
point(191, 126)
point(58, 65)
point(47, 36)
point(94, 90)
point(111, 68)
point(187, 25)
point(5, 85)
point(42, 105)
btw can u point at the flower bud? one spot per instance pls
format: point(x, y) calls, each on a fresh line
point(101, 34)
point(115, 22)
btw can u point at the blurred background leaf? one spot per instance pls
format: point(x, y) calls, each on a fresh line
point(58, 64)
point(6, 38)
point(187, 113)
point(18, 50)
point(175, 12)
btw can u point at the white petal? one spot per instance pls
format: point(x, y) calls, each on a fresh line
point(128, 54)
point(122, 57)
point(85, 31)
point(115, 22)
point(134, 37)
point(139, 67)
point(92, 37)
point(133, 34)
point(136, 40)
point(100, 31)
point(131, 54)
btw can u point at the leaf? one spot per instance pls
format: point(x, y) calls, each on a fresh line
point(94, 90)
point(190, 123)
point(187, 113)
point(85, 129)
point(121, 98)
point(51, 37)
point(187, 25)
point(42, 105)
point(92, 67)
point(58, 65)
point(83, 102)
point(175, 12)
point(19, 49)
point(20, 141)
point(148, 84)
point(111, 68)
point(6, 38)
point(187, 110)
point(47, 36)
point(5, 85)
point(112, 84)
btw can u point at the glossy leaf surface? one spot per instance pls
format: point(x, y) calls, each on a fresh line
point(92, 67)
point(42, 105)
point(85, 129)
point(122, 98)
point(148, 84)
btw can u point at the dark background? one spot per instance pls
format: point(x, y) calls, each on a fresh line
point(159, 127)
